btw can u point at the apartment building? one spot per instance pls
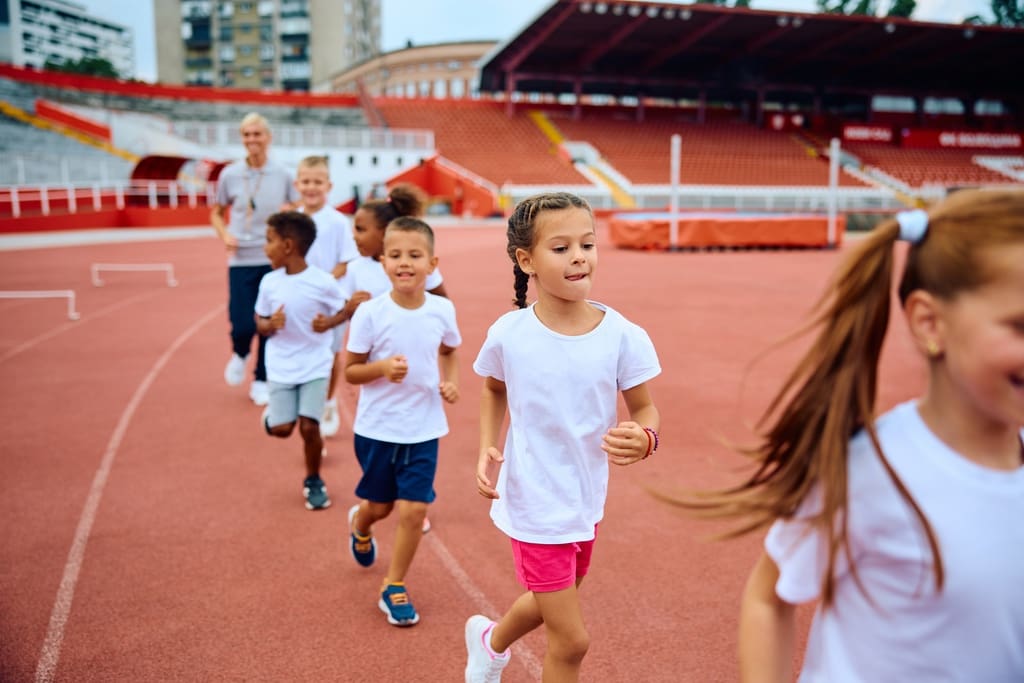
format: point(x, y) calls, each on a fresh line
point(263, 44)
point(33, 31)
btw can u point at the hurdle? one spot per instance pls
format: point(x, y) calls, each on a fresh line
point(165, 267)
point(68, 294)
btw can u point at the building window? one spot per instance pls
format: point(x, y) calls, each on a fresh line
point(227, 10)
point(245, 50)
point(266, 52)
point(226, 32)
point(265, 8)
point(227, 53)
point(245, 7)
point(248, 72)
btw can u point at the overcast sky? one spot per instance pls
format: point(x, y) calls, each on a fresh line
point(435, 21)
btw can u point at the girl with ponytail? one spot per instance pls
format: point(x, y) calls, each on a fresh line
point(557, 367)
point(907, 528)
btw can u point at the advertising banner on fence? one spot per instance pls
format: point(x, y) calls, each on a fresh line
point(960, 139)
point(860, 133)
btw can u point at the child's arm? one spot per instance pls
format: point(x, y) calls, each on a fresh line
point(449, 373)
point(322, 323)
point(493, 404)
point(766, 628)
point(358, 371)
point(339, 270)
point(269, 325)
point(629, 442)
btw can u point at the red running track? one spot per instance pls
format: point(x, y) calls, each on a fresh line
point(152, 532)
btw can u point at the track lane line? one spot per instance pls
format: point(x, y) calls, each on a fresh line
point(50, 654)
point(462, 579)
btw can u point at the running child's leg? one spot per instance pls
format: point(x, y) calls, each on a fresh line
point(407, 539)
point(524, 616)
point(568, 640)
point(313, 445)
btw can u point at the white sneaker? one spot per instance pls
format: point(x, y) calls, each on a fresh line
point(331, 423)
point(482, 664)
point(234, 371)
point(259, 393)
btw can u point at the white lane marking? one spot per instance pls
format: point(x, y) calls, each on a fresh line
point(50, 654)
point(480, 602)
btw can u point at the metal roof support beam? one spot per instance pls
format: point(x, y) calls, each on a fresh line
point(606, 44)
point(515, 59)
point(666, 53)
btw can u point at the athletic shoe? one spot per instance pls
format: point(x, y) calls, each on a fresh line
point(316, 494)
point(364, 548)
point(483, 665)
point(331, 423)
point(394, 602)
point(234, 371)
point(259, 393)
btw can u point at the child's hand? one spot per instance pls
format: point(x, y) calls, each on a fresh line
point(321, 323)
point(395, 368)
point(277, 319)
point(625, 443)
point(487, 472)
point(353, 303)
point(449, 391)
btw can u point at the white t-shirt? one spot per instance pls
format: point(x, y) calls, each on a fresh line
point(410, 411)
point(295, 353)
point(971, 632)
point(334, 243)
point(562, 398)
point(367, 275)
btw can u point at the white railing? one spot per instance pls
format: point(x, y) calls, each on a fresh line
point(50, 199)
point(35, 169)
point(326, 137)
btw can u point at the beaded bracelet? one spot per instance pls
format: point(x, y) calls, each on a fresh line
point(652, 442)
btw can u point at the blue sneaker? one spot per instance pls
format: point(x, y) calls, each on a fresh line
point(364, 548)
point(394, 602)
point(316, 494)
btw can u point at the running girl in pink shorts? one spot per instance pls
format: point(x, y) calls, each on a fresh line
point(557, 368)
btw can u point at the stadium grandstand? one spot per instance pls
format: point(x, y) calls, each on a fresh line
point(774, 111)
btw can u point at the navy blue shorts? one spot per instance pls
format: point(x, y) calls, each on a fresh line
point(396, 471)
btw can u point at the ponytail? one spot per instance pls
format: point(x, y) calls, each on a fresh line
point(522, 280)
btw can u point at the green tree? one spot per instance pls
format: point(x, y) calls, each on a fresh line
point(87, 66)
point(1008, 12)
point(902, 8)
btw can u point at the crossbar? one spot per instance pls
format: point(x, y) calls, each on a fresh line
point(68, 294)
point(165, 267)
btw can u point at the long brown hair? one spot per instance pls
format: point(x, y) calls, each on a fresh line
point(830, 394)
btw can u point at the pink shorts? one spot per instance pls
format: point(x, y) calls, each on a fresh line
point(546, 568)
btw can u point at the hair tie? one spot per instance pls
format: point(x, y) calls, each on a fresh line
point(913, 225)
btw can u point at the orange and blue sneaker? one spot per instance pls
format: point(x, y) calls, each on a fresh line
point(364, 548)
point(394, 602)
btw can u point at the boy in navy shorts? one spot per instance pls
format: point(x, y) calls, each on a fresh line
point(401, 350)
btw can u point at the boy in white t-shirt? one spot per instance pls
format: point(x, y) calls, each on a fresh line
point(332, 251)
point(296, 308)
point(401, 350)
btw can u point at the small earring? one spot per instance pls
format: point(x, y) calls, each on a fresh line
point(933, 348)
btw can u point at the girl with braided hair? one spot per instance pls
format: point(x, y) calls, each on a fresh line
point(557, 367)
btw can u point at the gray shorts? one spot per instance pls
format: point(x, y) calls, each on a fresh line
point(288, 401)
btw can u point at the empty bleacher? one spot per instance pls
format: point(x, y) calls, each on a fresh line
point(36, 156)
point(482, 138)
point(714, 153)
point(924, 167)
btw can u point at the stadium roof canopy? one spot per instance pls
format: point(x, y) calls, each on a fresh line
point(659, 49)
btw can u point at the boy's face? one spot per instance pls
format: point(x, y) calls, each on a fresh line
point(276, 248)
point(313, 184)
point(407, 260)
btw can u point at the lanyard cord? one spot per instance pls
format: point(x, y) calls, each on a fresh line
point(250, 205)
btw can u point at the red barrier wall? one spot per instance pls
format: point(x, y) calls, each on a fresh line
point(53, 113)
point(463, 195)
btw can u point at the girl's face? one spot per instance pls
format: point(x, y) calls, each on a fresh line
point(369, 236)
point(563, 257)
point(982, 338)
